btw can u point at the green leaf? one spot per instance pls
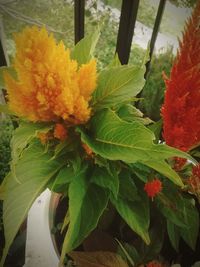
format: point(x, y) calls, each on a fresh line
point(115, 62)
point(172, 205)
point(174, 235)
point(135, 214)
point(128, 251)
point(106, 179)
point(64, 177)
point(84, 49)
point(117, 85)
point(128, 189)
point(156, 128)
point(87, 202)
point(116, 139)
point(166, 170)
point(24, 134)
point(130, 113)
point(63, 147)
point(141, 171)
point(190, 234)
point(34, 169)
point(10, 70)
point(150, 252)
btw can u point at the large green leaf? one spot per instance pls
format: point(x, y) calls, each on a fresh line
point(174, 235)
point(135, 214)
point(190, 234)
point(117, 85)
point(106, 179)
point(116, 139)
point(156, 234)
point(24, 134)
point(87, 201)
point(130, 113)
point(10, 70)
point(128, 189)
point(165, 169)
point(64, 177)
point(84, 49)
point(33, 170)
point(173, 206)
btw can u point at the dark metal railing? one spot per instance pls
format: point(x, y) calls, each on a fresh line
point(128, 17)
point(79, 19)
point(155, 33)
point(129, 9)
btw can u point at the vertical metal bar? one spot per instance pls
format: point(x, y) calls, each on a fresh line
point(155, 33)
point(79, 18)
point(128, 16)
point(4, 60)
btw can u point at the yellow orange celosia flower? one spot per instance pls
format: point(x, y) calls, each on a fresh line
point(50, 84)
point(60, 132)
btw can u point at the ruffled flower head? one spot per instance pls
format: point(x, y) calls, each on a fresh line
point(50, 85)
point(181, 109)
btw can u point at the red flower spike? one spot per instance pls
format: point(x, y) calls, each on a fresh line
point(179, 163)
point(196, 171)
point(181, 109)
point(152, 188)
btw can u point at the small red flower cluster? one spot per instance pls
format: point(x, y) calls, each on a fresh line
point(152, 188)
point(181, 109)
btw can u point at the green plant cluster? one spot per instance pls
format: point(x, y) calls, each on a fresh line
point(6, 129)
point(153, 91)
point(126, 155)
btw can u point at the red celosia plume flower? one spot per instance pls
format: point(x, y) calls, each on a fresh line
point(194, 181)
point(181, 108)
point(152, 188)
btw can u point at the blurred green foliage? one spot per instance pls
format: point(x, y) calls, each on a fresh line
point(6, 129)
point(184, 3)
point(153, 91)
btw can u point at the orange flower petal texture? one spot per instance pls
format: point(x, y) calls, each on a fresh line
point(152, 188)
point(50, 84)
point(181, 108)
point(60, 132)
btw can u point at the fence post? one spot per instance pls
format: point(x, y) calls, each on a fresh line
point(155, 33)
point(126, 29)
point(4, 61)
point(79, 18)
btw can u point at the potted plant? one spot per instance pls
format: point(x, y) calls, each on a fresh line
point(80, 134)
